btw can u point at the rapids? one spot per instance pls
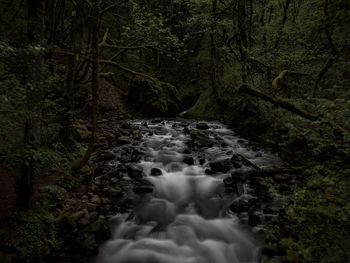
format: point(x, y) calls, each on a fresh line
point(186, 219)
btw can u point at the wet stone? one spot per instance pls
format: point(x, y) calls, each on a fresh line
point(189, 160)
point(122, 140)
point(202, 126)
point(156, 172)
point(143, 189)
point(134, 171)
point(220, 166)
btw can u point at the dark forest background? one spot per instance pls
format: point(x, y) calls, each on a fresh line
point(276, 71)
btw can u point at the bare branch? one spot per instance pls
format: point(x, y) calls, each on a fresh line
point(108, 8)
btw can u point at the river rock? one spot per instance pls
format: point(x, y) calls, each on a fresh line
point(95, 199)
point(136, 134)
point(143, 189)
point(106, 155)
point(125, 125)
point(202, 126)
point(189, 160)
point(122, 140)
point(85, 219)
point(156, 172)
point(220, 166)
point(77, 215)
point(91, 207)
point(115, 192)
point(134, 171)
point(82, 132)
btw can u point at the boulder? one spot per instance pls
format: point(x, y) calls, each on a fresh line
point(115, 192)
point(156, 172)
point(202, 126)
point(134, 171)
point(143, 189)
point(82, 132)
point(122, 140)
point(189, 160)
point(220, 166)
point(106, 155)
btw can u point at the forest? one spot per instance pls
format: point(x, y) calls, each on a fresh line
point(174, 131)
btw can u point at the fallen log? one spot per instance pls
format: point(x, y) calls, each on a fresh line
point(284, 104)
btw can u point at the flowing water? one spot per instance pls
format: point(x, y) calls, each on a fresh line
point(186, 219)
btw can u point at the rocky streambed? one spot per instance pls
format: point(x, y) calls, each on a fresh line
point(176, 191)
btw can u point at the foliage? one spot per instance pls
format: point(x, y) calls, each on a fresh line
point(35, 235)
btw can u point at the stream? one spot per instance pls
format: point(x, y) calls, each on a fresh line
point(190, 209)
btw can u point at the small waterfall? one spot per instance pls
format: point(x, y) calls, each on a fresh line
point(185, 219)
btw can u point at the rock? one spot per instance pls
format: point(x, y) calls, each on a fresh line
point(157, 120)
point(143, 189)
point(122, 140)
point(202, 126)
point(115, 173)
point(52, 189)
point(235, 184)
point(115, 192)
point(98, 171)
point(156, 172)
point(186, 130)
point(76, 216)
point(109, 136)
point(189, 160)
point(85, 219)
point(100, 231)
point(241, 204)
point(95, 199)
point(91, 207)
point(136, 134)
point(220, 166)
point(98, 180)
point(144, 182)
point(106, 155)
point(125, 125)
point(134, 171)
point(208, 172)
point(89, 243)
point(105, 201)
point(82, 132)
point(93, 216)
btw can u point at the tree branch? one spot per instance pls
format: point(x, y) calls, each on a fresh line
point(281, 103)
point(108, 8)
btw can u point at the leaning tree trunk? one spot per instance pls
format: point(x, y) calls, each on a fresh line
point(36, 29)
point(70, 83)
point(213, 51)
point(243, 41)
point(94, 87)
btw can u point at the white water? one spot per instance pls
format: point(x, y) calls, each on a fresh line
point(185, 220)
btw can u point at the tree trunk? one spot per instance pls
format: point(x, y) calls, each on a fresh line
point(243, 41)
point(77, 165)
point(35, 33)
point(69, 92)
point(213, 50)
point(284, 20)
